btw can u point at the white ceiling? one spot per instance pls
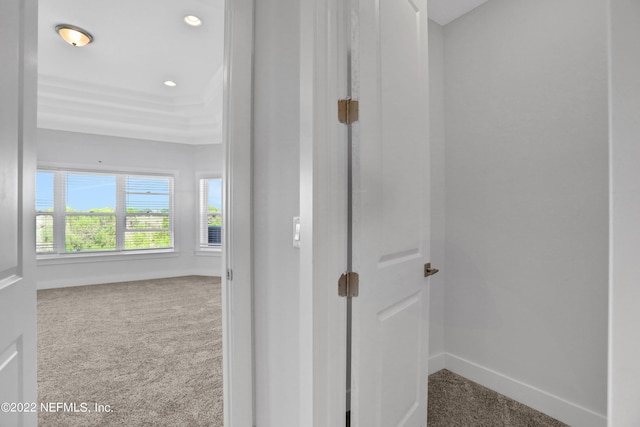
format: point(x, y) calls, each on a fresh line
point(114, 86)
point(445, 11)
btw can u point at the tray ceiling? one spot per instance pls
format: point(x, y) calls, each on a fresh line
point(115, 85)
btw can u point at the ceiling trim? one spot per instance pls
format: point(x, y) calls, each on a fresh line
point(77, 107)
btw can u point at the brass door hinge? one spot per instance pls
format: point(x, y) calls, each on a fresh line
point(347, 111)
point(348, 284)
point(429, 271)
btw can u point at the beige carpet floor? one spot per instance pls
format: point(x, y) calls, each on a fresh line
point(151, 350)
point(455, 401)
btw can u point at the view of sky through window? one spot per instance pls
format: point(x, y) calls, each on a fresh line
point(215, 193)
point(86, 192)
point(44, 191)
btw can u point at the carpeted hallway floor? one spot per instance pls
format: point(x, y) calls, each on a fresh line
point(151, 350)
point(455, 401)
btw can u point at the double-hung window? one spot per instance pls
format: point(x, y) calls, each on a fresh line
point(210, 224)
point(44, 212)
point(87, 211)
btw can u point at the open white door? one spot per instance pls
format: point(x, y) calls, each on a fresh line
point(18, 381)
point(390, 214)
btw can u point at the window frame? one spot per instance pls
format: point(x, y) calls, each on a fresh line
point(200, 248)
point(60, 214)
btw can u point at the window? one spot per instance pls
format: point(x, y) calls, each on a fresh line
point(78, 211)
point(210, 213)
point(147, 213)
point(90, 212)
point(44, 212)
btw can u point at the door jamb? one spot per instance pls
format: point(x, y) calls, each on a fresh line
point(237, 261)
point(323, 36)
point(323, 212)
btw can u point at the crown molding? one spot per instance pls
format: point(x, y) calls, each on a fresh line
point(74, 106)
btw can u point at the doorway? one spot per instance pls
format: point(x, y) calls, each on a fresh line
point(232, 326)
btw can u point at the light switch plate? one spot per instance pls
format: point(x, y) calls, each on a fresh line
point(296, 231)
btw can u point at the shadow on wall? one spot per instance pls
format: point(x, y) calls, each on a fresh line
point(469, 292)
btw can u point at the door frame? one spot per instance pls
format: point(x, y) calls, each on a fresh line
point(237, 260)
point(324, 36)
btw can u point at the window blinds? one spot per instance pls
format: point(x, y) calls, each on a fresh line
point(86, 211)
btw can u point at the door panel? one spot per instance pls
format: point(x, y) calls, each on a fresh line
point(399, 27)
point(400, 359)
point(10, 384)
point(390, 213)
point(17, 240)
point(9, 374)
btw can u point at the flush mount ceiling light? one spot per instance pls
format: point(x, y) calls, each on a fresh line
point(170, 83)
point(73, 35)
point(194, 21)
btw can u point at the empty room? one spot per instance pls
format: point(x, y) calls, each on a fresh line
point(129, 199)
point(344, 213)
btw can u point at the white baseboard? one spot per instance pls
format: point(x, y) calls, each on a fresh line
point(547, 403)
point(211, 271)
point(112, 278)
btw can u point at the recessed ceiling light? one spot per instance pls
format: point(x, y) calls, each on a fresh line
point(73, 35)
point(194, 21)
point(170, 83)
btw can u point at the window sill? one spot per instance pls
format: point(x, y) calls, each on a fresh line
point(212, 252)
point(104, 257)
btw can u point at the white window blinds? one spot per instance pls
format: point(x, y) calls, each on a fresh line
point(86, 211)
point(210, 212)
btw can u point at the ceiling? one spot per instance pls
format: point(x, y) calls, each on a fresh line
point(115, 86)
point(445, 11)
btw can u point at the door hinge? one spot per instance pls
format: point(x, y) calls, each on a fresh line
point(229, 274)
point(347, 111)
point(348, 284)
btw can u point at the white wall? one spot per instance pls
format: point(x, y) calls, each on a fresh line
point(526, 202)
point(624, 350)
point(103, 152)
point(207, 158)
point(276, 201)
point(437, 171)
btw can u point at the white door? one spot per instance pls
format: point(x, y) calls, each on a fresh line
point(17, 162)
point(390, 214)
